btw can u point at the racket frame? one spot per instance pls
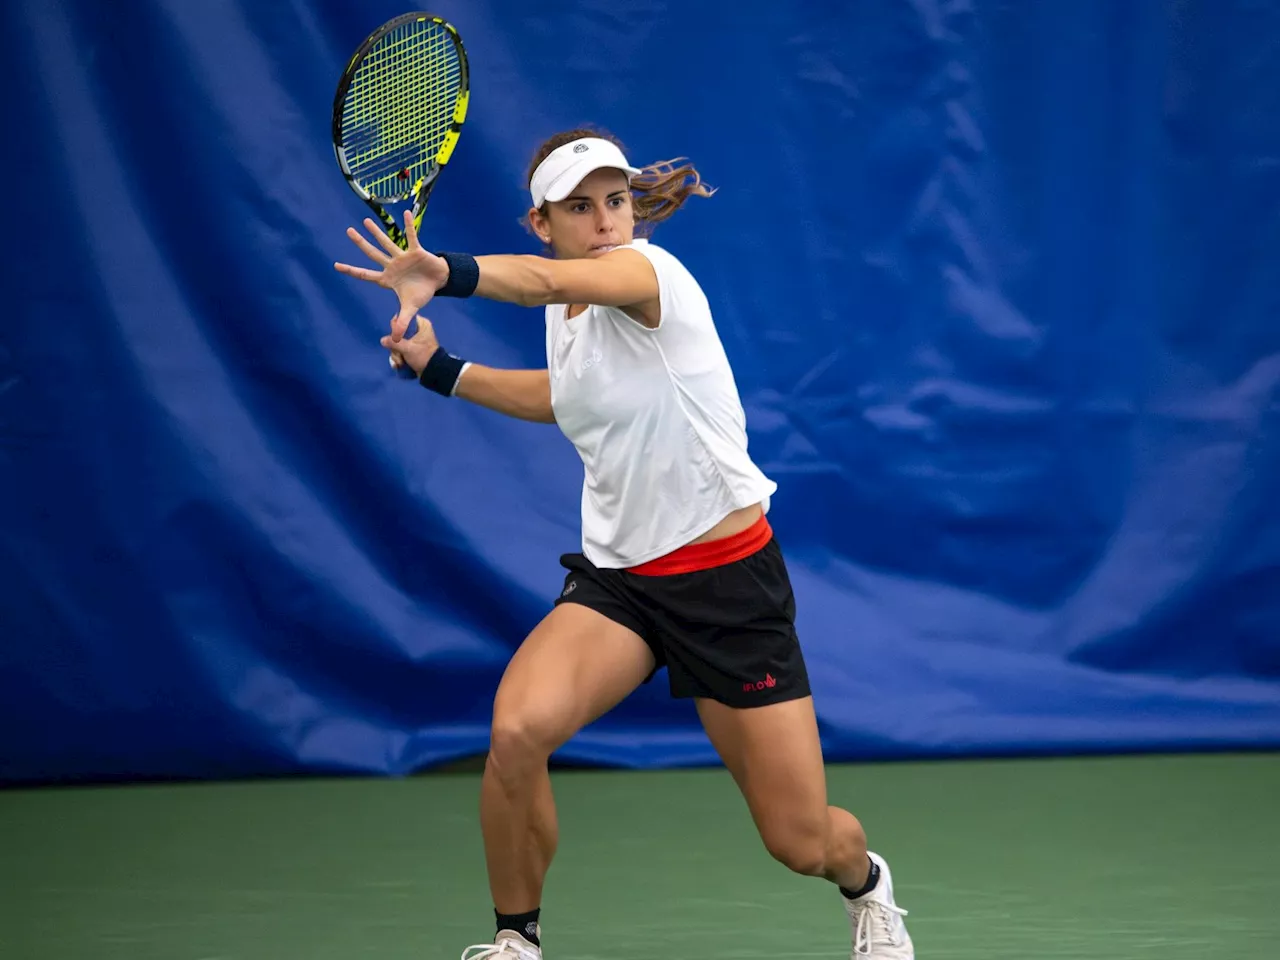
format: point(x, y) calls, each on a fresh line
point(420, 191)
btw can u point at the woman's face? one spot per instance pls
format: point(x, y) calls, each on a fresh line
point(594, 219)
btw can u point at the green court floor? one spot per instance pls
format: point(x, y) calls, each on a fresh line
point(1163, 858)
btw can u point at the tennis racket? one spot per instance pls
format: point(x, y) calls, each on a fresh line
point(398, 112)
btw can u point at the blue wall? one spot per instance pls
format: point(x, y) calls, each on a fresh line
point(999, 281)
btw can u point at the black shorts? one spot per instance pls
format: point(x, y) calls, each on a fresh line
point(726, 633)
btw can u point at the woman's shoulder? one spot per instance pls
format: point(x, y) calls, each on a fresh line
point(650, 249)
point(663, 260)
point(684, 302)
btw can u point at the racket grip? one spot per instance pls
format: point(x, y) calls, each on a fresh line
point(404, 371)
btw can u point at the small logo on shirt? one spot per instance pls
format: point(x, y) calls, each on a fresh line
point(592, 360)
point(573, 585)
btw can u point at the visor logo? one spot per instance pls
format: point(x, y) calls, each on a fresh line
point(581, 148)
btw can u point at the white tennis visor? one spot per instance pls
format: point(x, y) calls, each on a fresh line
point(567, 166)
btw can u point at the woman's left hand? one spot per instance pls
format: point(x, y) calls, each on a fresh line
point(414, 273)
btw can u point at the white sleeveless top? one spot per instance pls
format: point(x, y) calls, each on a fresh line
point(656, 418)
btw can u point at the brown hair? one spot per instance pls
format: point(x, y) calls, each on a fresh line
point(658, 191)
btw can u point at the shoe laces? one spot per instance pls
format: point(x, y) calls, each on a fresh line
point(875, 920)
point(506, 948)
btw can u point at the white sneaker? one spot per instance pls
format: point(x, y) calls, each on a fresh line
point(507, 945)
point(878, 930)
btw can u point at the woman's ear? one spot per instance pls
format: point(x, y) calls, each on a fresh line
point(538, 224)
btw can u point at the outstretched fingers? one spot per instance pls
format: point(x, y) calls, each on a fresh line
point(360, 273)
point(367, 248)
point(380, 235)
point(410, 231)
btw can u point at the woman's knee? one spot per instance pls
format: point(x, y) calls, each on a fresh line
point(801, 855)
point(573, 667)
point(799, 845)
point(848, 841)
point(523, 737)
point(815, 845)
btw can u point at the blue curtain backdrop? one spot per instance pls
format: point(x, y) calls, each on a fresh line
point(999, 281)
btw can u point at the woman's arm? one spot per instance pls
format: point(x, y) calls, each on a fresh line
point(523, 394)
point(620, 278)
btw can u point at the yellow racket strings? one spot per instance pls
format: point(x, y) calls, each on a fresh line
point(399, 108)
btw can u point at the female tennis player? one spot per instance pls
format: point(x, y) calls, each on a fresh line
point(678, 565)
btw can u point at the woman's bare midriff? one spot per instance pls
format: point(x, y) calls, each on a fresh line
point(735, 522)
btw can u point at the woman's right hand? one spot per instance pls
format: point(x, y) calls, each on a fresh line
point(415, 351)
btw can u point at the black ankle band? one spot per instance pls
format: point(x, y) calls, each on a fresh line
point(873, 877)
point(525, 924)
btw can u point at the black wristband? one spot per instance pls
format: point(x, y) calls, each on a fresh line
point(441, 372)
point(464, 274)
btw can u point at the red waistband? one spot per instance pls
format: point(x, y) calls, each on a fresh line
point(713, 553)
